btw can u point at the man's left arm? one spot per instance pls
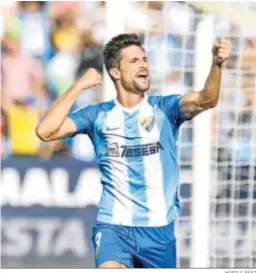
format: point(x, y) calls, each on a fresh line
point(196, 102)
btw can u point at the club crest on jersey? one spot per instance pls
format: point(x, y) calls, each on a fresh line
point(147, 123)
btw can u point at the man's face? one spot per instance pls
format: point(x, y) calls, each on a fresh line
point(134, 69)
point(32, 6)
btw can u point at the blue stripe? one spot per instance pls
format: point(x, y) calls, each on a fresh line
point(136, 172)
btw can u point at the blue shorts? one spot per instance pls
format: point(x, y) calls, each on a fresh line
point(139, 247)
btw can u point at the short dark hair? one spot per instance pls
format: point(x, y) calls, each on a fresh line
point(111, 53)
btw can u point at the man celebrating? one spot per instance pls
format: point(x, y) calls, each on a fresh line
point(134, 137)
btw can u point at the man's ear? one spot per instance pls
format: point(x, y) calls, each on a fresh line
point(114, 72)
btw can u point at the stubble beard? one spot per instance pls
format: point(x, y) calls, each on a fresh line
point(135, 87)
point(140, 88)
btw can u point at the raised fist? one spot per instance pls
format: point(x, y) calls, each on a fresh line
point(222, 51)
point(91, 78)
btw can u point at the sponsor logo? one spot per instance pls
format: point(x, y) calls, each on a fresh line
point(113, 150)
point(133, 151)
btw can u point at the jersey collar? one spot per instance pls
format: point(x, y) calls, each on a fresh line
point(136, 107)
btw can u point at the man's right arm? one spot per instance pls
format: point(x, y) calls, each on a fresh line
point(56, 124)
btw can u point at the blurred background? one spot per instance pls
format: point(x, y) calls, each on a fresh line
point(50, 191)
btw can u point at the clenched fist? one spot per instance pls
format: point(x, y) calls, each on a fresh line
point(91, 78)
point(222, 51)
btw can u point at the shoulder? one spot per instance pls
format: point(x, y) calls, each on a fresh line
point(170, 105)
point(165, 101)
point(85, 118)
point(101, 107)
point(105, 106)
point(92, 111)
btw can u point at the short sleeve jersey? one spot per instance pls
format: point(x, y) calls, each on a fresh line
point(137, 156)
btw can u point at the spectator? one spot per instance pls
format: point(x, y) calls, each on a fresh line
point(22, 120)
point(66, 36)
point(60, 71)
point(59, 9)
point(35, 34)
point(22, 76)
point(91, 55)
point(23, 97)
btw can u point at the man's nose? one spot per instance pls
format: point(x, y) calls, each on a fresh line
point(144, 64)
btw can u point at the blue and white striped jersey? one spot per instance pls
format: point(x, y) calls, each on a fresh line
point(136, 153)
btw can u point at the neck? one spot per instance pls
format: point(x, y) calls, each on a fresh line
point(128, 99)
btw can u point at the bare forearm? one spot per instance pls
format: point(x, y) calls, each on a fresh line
point(195, 103)
point(56, 124)
point(210, 94)
point(57, 113)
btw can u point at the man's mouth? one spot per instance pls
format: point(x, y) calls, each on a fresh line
point(143, 75)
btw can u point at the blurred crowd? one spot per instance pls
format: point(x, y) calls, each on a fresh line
point(47, 45)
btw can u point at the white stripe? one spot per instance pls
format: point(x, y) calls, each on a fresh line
point(123, 207)
point(154, 175)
